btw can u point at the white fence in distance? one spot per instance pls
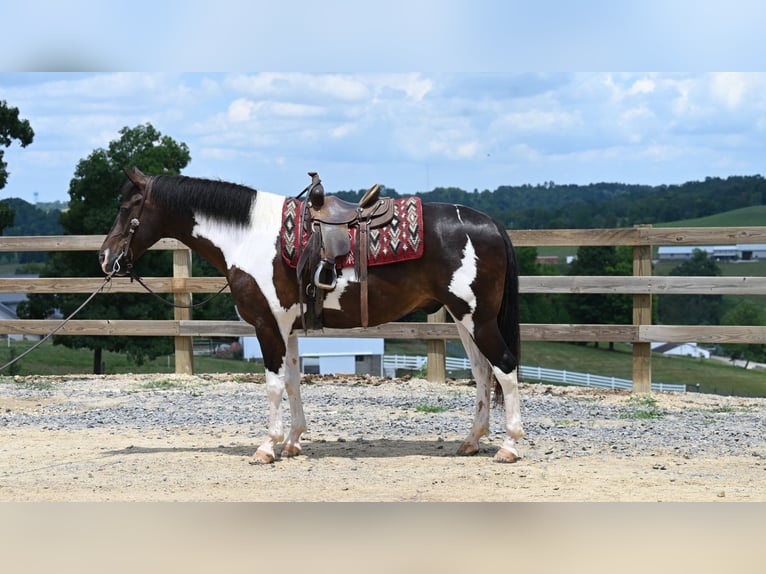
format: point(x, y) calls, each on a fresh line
point(416, 363)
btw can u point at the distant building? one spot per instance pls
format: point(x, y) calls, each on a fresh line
point(330, 355)
point(8, 304)
point(681, 350)
point(740, 252)
point(547, 259)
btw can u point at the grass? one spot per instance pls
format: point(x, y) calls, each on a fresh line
point(50, 359)
point(430, 408)
point(712, 377)
point(643, 407)
point(162, 384)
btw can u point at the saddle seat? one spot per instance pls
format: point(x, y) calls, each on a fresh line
point(328, 220)
point(333, 210)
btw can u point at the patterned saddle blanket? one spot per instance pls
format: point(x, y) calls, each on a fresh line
point(401, 240)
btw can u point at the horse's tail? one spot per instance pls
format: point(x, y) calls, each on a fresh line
point(508, 317)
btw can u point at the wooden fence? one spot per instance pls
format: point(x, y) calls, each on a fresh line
point(641, 285)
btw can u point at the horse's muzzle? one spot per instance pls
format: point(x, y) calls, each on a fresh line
point(117, 265)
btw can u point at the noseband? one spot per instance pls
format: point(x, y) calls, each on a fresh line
point(134, 223)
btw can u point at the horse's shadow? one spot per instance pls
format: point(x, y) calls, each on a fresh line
point(352, 449)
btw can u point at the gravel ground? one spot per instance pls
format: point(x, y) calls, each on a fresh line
point(160, 437)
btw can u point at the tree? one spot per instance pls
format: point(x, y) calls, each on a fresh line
point(692, 309)
point(94, 197)
point(601, 308)
point(745, 313)
point(538, 307)
point(11, 128)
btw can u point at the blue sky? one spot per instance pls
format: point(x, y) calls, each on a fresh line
point(413, 95)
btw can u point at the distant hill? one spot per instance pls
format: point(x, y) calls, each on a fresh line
point(602, 205)
point(744, 217)
point(33, 220)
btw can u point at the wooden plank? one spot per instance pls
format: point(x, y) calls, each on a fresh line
point(520, 238)
point(96, 327)
point(628, 285)
point(437, 352)
point(422, 331)
point(573, 237)
point(703, 334)
point(184, 346)
point(702, 235)
point(69, 243)
point(116, 285)
point(578, 333)
point(637, 236)
point(642, 315)
point(529, 331)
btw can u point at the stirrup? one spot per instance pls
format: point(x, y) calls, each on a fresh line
point(321, 278)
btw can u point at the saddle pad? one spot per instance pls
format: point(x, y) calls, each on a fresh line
point(400, 240)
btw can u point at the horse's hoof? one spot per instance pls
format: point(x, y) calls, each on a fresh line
point(261, 457)
point(467, 449)
point(290, 450)
point(505, 455)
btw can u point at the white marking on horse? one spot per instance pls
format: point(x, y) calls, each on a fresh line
point(332, 298)
point(459, 218)
point(513, 428)
point(252, 248)
point(460, 284)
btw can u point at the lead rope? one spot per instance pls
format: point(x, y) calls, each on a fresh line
point(60, 326)
point(135, 277)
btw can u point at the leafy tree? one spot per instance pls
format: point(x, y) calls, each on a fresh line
point(11, 128)
point(692, 309)
point(745, 313)
point(538, 307)
point(94, 198)
point(600, 307)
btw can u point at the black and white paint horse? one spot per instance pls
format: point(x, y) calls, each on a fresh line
point(468, 265)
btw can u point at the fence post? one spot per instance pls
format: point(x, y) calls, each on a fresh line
point(182, 265)
point(642, 315)
point(437, 352)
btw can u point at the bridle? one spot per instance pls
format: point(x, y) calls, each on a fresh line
point(125, 253)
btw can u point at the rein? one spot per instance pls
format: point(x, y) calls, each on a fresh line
point(135, 277)
point(59, 326)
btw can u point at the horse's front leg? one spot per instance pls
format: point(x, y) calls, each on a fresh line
point(275, 386)
point(292, 446)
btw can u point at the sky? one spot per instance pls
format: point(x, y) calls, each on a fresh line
point(413, 95)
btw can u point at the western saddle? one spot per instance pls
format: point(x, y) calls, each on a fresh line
point(327, 219)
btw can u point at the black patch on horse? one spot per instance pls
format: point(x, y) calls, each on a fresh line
point(226, 202)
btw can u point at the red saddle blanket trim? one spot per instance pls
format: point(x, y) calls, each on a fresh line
point(400, 240)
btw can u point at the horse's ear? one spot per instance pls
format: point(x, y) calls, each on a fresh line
point(135, 175)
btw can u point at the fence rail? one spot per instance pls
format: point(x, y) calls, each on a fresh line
point(642, 285)
point(529, 373)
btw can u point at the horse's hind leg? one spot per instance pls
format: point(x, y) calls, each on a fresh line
point(510, 384)
point(482, 372)
point(490, 356)
point(505, 367)
point(292, 446)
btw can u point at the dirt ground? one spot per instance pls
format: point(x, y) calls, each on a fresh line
point(197, 463)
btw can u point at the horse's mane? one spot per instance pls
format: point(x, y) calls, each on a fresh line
point(229, 202)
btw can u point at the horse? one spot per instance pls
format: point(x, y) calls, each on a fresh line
point(468, 266)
